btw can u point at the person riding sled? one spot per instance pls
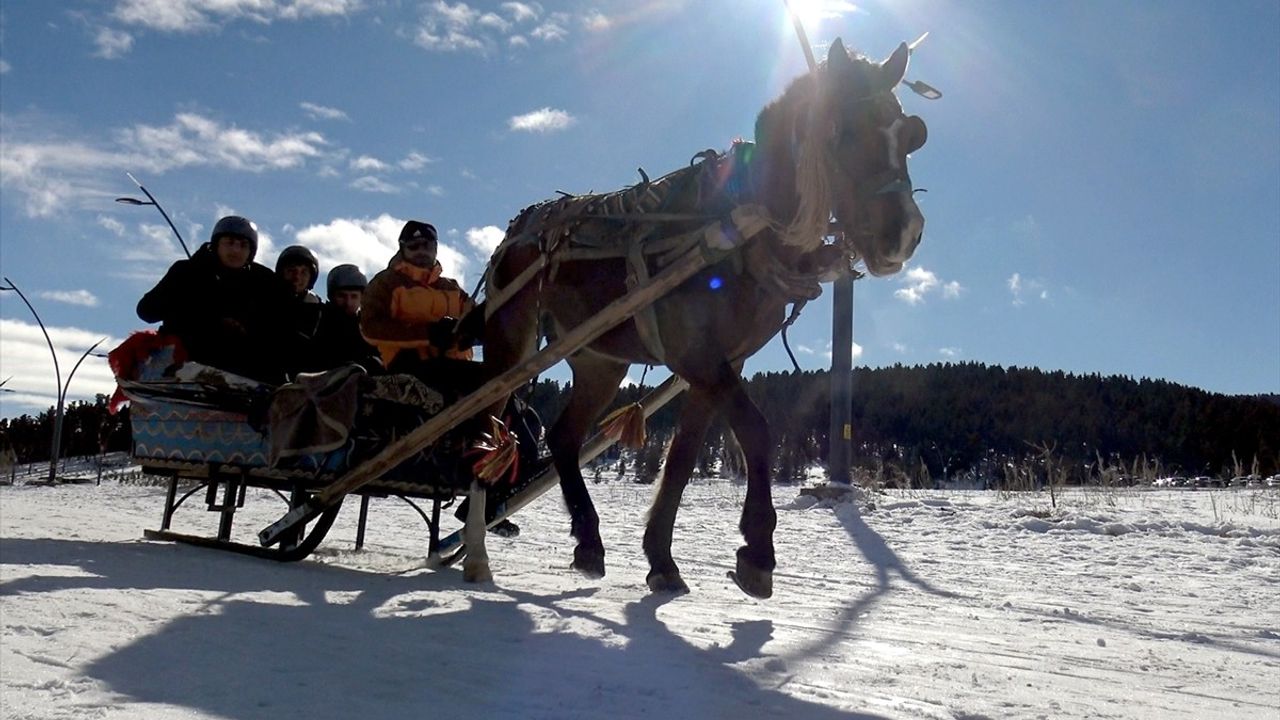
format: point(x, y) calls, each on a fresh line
point(411, 313)
point(338, 340)
point(299, 269)
point(226, 309)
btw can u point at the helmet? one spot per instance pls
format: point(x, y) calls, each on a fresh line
point(238, 226)
point(345, 277)
point(299, 255)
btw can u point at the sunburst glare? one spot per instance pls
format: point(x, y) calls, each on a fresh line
point(812, 13)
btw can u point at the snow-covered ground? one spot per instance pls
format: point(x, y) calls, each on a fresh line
point(1130, 604)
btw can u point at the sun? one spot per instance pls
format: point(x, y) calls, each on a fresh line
point(812, 12)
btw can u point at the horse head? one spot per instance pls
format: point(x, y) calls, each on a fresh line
point(857, 141)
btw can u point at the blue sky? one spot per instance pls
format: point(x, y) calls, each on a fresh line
point(1103, 178)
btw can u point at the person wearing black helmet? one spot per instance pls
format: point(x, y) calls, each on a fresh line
point(338, 340)
point(299, 269)
point(225, 308)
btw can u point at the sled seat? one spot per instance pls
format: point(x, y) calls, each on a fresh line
point(202, 428)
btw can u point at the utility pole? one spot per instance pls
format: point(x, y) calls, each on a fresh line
point(839, 453)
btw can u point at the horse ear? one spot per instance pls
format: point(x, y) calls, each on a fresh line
point(895, 67)
point(837, 56)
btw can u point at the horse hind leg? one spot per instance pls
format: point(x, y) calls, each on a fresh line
point(695, 417)
point(595, 383)
point(756, 559)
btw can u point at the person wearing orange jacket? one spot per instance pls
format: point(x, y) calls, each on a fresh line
point(410, 313)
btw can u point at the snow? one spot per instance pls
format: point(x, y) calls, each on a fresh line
point(914, 604)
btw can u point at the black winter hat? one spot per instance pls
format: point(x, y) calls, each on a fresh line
point(414, 230)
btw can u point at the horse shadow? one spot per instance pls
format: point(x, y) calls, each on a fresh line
point(263, 640)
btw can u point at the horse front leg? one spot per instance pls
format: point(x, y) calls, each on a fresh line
point(691, 431)
point(755, 559)
point(595, 383)
point(475, 568)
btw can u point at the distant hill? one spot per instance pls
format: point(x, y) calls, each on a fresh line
point(971, 417)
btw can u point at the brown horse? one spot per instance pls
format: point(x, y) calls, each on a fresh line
point(835, 143)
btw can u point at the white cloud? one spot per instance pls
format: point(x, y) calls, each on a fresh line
point(322, 112)
point(153, 245)
point(302, 9)
point(485, 239)
point(370, 243)
point(949, 352)
point(193, 139)
point(413, 162)
point(920, 282)
point(453, 27)
point(543, 120)
point(494, 21)
point(367, 163)
point(550, 31)
point(369, 183)
point(52, 174)
point(429, 38)
point(71, 297)
point(114, 226)
point(5, 67)
point(199, 15)
point(899, 348)
point(450, 28)
point(596, 21)
point(112, 43)
point(855, 351)
point(1021, 288)
point(521, 12)
point(25, 357)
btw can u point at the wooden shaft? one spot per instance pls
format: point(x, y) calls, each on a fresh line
point(494, 390)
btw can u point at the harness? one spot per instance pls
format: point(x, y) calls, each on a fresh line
point(639, 225)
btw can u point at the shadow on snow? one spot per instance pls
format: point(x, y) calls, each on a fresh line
point(262, 640)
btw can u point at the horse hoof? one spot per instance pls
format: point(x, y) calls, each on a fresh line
point(589, 562)
point(669, 583)
point(477, 574)
point(752, 580)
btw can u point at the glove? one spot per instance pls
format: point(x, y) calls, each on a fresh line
point(441, 334)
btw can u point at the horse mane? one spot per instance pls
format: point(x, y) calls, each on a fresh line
point(799, 123)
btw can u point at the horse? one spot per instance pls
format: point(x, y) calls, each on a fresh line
point(835, 143)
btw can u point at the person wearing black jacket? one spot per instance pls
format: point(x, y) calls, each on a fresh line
point(338, 340)
point(227, 310)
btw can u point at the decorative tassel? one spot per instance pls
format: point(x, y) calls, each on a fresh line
point(498, 455)
point(627, 424)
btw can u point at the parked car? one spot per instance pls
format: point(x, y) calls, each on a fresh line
point(1273, 481)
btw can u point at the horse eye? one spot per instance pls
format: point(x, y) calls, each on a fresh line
point(914, 134)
